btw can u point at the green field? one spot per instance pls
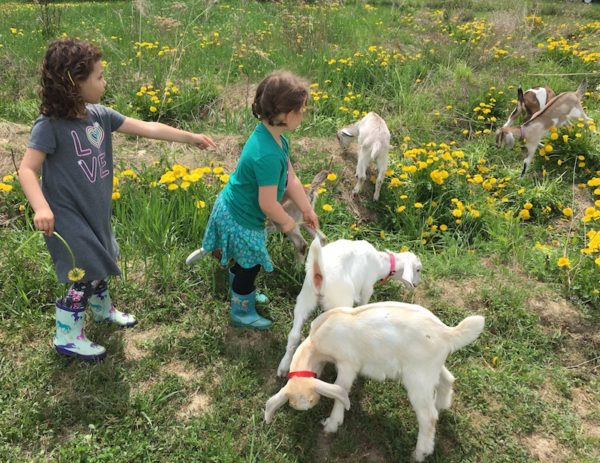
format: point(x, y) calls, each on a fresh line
point(185, 386)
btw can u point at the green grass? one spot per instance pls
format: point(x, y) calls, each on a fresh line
point(185, 386)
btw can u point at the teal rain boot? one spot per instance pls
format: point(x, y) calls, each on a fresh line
point(260, 297)
point(243, 312)
point(70, 339)
point(104, 310)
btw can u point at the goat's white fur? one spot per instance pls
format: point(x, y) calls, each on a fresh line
point(530, 102)
point(557, 112)
point(373, 145)
point(343, 274)
point(383, 340)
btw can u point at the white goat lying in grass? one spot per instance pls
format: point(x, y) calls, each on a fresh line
point(342, 274)
point(373, 144)
point(384, 340)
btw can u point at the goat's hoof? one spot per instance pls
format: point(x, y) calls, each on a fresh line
point(330, 425)
point(420, 455)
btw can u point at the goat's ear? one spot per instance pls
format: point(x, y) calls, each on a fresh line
point(333, 391)
point(520, 96)
point(275, 403)
point(347, 133)
point(408, 275)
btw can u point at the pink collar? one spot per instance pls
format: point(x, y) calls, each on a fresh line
point(302, 374)
point(522, 132)
point(392, 267)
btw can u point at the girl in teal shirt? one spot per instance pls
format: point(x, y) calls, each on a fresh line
point(236, 227)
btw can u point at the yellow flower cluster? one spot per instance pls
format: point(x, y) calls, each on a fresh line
point(153, 97)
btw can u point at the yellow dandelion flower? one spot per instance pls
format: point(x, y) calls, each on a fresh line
point(153, 109)
point(567, 211)
point(116, 195)
point(76, 274)
point(400, 209)
point(327, 207)
point(528, 206)
point(331, 176)
point(418, 205)
point(524, 214)
point(563, 262)
point(173, 187)
point(200, 204)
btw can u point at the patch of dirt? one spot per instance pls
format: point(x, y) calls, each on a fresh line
point(455, 293)
point(556, 313)
point(585, 405)
point(133, 342)
point(238, 97)
point(12, 137)
point(182, 369)
point(545, 449)
point(198, 404)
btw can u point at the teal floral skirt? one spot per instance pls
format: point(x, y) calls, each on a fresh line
point(245, 246)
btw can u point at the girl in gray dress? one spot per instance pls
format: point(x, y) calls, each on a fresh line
point(71, 142)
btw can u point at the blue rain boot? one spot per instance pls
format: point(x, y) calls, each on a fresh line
point(260, 297)
point(104, 310)
point(70, 339)
point(243, 312)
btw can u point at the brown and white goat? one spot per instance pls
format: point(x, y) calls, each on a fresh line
point(294, 235)
point(557, 112)
point(383, 340)
point(530, 102)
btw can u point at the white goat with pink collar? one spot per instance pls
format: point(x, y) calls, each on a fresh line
point(342, 274)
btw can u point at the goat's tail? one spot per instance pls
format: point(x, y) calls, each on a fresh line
point(314, 265)
point(581, 89)
point(466, 332)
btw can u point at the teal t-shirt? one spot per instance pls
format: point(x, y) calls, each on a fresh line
point(262, 163)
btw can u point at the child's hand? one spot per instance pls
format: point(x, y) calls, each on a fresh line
point(310, 219)
point(202, 141)
point(43, 220)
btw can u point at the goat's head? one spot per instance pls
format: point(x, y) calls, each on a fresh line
point(408, 269)
point(345, 137)
point(303, 394)
point(505, 138)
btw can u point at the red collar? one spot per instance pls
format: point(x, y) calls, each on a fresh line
point(392, 267)
point(302, 374)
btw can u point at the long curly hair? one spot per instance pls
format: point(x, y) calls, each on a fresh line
point(67, 63)
point(279, 93)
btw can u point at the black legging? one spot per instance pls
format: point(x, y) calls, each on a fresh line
point(243, 281)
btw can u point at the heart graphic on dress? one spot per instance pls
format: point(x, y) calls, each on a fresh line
point(95, 135)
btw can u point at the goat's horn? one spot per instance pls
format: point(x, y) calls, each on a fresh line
point(333, 391)
point(275, 403)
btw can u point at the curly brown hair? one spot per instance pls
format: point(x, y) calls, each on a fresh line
point(67, 63)
point(279, 93)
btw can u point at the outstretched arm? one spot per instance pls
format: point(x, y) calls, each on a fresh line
point(162, 131)
point(43, 217)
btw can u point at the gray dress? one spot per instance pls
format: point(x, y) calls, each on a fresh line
point(77, 182)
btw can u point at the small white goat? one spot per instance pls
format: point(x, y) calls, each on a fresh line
point(557, 112)
point(530, 102)
point(373, 144)
point(343, 274)
point(384, 340)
